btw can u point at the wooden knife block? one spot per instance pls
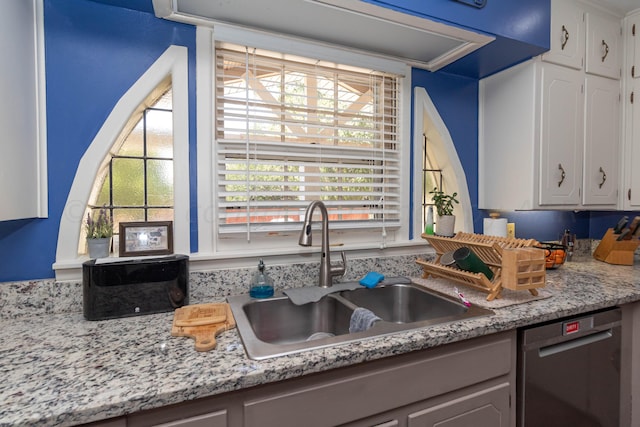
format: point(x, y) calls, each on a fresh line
point(612, 251)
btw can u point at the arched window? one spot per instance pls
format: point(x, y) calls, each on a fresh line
point(441, 165)
point(135, 182)
point(170, 70)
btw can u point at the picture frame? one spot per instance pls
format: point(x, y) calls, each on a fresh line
point(146, 238)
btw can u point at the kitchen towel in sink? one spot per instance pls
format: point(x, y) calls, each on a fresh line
point(362, 319)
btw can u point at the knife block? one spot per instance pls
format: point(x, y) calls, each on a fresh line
point(612, 251)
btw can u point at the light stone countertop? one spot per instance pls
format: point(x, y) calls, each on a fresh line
point(59, 369)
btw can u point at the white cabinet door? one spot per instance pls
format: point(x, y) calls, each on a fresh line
point(561, 135)
point(604, 44)
point(602, 141)
point(633, 162)
point(633, 40)
point(567, 34)
point(23, 189)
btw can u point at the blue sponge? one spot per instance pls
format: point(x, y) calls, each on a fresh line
point(371, 279)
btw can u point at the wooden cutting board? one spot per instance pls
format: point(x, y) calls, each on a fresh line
point(204, 335)
point(200, 314)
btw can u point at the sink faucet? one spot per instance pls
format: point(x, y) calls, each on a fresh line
point(326, 270)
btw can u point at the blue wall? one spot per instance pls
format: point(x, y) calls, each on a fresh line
point(94, 53)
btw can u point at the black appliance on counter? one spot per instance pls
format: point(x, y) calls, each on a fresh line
point(569, 372)
point(113, 288)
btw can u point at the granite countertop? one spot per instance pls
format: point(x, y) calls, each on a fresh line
point(63, 370)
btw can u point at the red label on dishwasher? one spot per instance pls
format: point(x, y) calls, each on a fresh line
point(571, 327)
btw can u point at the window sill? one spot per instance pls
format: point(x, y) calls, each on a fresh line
point(71, 270)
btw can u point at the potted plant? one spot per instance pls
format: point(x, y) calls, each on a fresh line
point(444, 208)
point(99, 233)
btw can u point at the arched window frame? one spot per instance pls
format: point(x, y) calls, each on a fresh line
point(174, 63)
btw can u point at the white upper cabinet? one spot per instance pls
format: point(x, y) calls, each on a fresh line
point(550, 129)
point(633, 35)
point(585, 37)
point(632, 196)
point(531, 138)
point(604, 45)
point(602, 141)
point(631, 99)
point(23, 164)
point(567, 34)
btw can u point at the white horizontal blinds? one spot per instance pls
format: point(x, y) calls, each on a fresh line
point(290, 130)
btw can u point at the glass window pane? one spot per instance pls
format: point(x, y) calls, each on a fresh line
point(160, 182)
point(133, 145)
point(128, 182)
point(126, 215)
point(159, 134)
point(160, 214)
point(166, 101)
point(104, 193)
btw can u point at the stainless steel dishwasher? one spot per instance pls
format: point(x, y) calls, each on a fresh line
point(569, 372)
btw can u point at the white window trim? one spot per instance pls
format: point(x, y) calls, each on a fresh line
point(452, 172)
point(173, 62)
point(207, 251)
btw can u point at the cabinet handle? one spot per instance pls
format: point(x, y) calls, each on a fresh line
point(629, 194)
point(604, 177)
point(562, 174)
point(606, 50)
point(565, 37)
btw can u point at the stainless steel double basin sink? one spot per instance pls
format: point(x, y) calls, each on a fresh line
point(276, 326)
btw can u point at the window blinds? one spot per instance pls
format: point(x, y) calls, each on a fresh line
point(292, 130)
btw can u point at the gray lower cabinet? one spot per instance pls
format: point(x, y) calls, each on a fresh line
point(488, 407)
point(469, 383)
point(216, 419)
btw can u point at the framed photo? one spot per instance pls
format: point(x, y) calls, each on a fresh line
point(146, 238)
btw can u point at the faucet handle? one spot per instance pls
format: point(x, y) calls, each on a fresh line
point(340, 268)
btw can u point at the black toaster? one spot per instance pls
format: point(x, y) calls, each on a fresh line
point(113, 288)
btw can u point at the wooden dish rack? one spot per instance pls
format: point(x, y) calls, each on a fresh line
point(515, 263)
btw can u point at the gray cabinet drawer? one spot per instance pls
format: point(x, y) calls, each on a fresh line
point(380, 386)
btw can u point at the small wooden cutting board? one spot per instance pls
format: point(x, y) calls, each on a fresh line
point(200, 314)
point(204, 335)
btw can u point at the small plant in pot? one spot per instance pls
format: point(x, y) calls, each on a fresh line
point(99, 233)
point(444, 208)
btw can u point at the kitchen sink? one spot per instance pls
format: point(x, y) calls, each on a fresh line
point(403, 303)
point(279, 321)
point(276, 326)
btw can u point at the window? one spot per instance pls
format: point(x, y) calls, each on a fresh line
point(289, 130)
point(431, 177)
point(441, 164)
point(136, 180)
point(169, 70)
